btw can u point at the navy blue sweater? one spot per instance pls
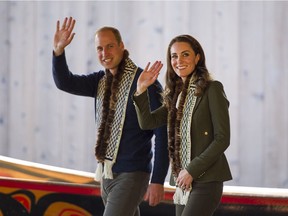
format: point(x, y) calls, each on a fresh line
point(135, 150)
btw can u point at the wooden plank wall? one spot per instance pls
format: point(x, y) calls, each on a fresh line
point(246, 49)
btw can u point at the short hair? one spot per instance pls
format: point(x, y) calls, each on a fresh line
point(115, 31)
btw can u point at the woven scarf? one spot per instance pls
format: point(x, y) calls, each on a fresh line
point(116, 127)
point(181, 196)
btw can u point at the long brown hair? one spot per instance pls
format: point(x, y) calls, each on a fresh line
point(174, 86)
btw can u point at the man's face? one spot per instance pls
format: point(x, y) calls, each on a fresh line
point(110, 52)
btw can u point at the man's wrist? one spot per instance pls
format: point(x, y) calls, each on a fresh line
point(58, 52)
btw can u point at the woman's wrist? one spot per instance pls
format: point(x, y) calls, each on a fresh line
point(139, 92)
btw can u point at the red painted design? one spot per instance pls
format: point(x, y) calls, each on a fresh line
point(25, 201)
point(53, 187)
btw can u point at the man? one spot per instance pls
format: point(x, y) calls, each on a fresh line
point(123, 150)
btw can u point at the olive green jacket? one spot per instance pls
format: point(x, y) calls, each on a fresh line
point(210, 132)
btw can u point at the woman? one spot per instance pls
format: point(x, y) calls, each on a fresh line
point(195, 108)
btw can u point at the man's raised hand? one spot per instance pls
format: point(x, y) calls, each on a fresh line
point(64, 35)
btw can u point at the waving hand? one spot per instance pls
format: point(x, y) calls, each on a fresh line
point(63, 36)
point(148, 76)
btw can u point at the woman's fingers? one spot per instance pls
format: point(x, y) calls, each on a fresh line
point(147, 67)
point(155, 68)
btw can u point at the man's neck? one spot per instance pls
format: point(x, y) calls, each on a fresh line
point(113, 71)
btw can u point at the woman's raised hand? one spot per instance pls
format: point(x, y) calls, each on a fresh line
point(63, 36)
point(148, 76)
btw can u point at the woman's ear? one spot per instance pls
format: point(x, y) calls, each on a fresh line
point(197, 58)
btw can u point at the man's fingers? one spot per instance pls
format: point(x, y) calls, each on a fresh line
point(71, 26)
point(70, 38)
point(64, 23)
point(57, 26)
point(69, 23)
point(155, 201)
point(146, 197)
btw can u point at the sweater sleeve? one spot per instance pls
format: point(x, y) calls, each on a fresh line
point(84, 85)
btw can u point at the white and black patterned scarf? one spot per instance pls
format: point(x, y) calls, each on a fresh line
point(110, 126)
point(181, 157)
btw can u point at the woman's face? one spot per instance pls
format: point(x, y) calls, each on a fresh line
point(183, 59)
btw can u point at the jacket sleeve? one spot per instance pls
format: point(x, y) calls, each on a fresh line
point(161, 159)
point(147, 117)
point(84, 85)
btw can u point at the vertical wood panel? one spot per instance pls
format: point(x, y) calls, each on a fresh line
point(22, 79)
point(49, 114)
point(251, 93)
point(225, 68)
point(284, 51)
point(4, 78)
point(276, 113)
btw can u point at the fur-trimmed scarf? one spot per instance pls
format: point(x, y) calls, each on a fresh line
point(179, 133)
point(112, 97)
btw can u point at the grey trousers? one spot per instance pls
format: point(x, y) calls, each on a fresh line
point(123, 194)
point(203, 200)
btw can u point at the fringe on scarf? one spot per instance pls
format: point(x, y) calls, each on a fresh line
point(108, 174)
point(99, 172)
point(180, 196)
point(105, 171)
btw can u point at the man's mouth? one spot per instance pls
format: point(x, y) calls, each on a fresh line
point(107, 60)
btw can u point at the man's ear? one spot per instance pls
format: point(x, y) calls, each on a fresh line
point(122, 45)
